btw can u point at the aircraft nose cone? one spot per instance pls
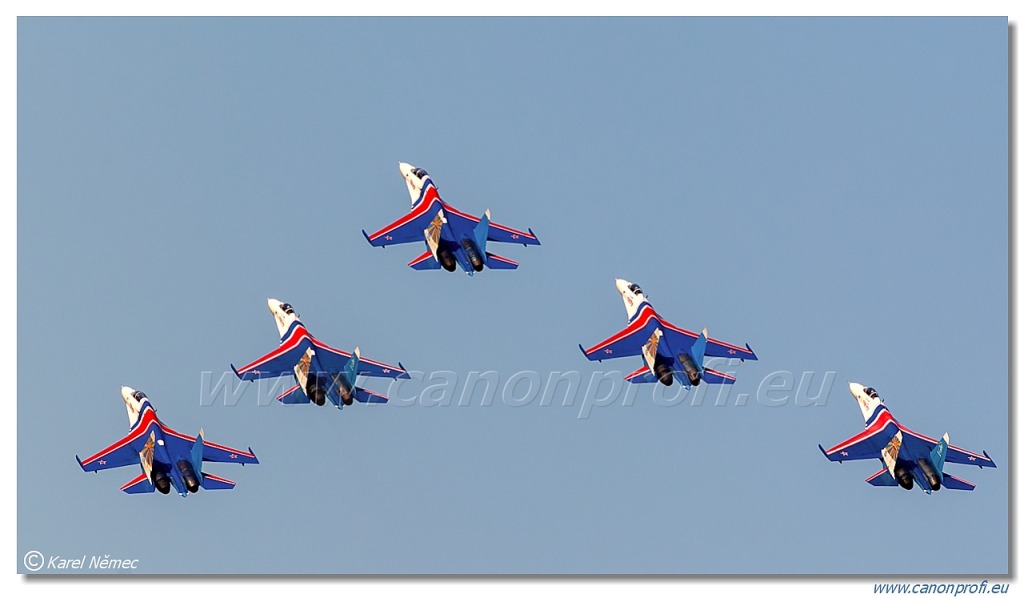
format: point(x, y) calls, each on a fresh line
point(127, 392)
point(273, 304)
point(856, 389)
point(622, 285)
point(405, 168)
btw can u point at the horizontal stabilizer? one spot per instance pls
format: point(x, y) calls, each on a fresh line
point(212, 482)
point(140, 485)
point(497, 262)
point(368, 396)
point(425, 261)
point(293, 396)
point(715, 377)
point(954, 483)
point(640, 376)
point(882, 478)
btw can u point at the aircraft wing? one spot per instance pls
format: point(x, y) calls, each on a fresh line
point(495, 232)
point(627, 342)
point(335, 359)
point(211, 450)
point(954, 454)
point(118, 454)
point(278, 362)
point(408, 228)
point(866, 445)
point(682, 338)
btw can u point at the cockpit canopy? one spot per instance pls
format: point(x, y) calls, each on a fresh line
point(138, 395)
point(419, 173)
point(871, 392)
point(287, 308)
point(635, 289)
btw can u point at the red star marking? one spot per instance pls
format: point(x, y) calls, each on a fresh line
point(102, 462)
point(608, 351)
point(387, 371)
point(387, 237)
point(971, 459)
point(234, 456)
point(845, 454)
point(515, 236)
point(732, 351)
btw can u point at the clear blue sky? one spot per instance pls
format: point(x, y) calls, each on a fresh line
point(832, 191)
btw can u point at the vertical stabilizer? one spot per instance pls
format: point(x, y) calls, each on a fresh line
point(938, 454)
point(699, 346)
point(197, 452)
point(480, 232)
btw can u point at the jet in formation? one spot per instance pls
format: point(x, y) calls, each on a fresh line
point(453, 238)
point(322, 373)
point(168, 458)
point(907, 456)
point(669, 352)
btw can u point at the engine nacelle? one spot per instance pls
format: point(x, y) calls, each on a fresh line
point(692, 369)
point(930, 475)
point(904, 478)
point(345, 390)
point(162, 481)
point(474, 255)
point(444, 255)
point(663, 372)
point(188, 473)
point(316, 391)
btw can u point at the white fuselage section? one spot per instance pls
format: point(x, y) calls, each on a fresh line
point(413, 182)
point(632, 296)
point(865, 401)
point(133, 405)
point(284, 317)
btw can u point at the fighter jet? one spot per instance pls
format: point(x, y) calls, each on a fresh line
point(906, 455)
point(322, 373)
point(669, 352)
point(168, 458)
point(452, 237)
